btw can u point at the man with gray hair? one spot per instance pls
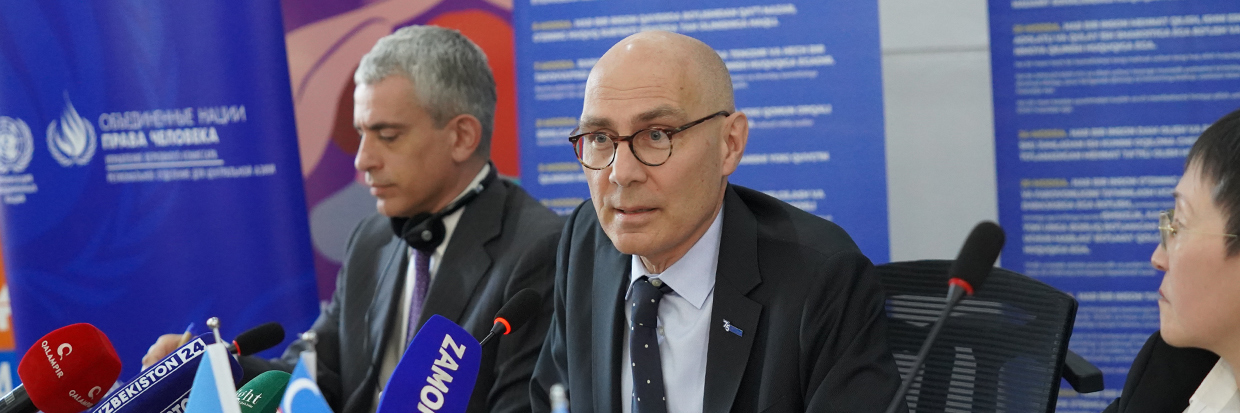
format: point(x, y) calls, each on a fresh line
point(450, 237)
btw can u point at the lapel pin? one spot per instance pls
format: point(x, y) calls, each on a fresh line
point(727, 326)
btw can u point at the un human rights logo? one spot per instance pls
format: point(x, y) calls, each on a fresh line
point(71, 139)
point(16, 145)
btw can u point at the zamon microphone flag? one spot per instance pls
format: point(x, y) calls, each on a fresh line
point(302, 394)
point(213, 390)
point(437, 373)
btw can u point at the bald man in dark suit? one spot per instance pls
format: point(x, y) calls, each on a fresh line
point(679, 292)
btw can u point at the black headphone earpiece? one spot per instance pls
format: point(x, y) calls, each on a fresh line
point(425, 231)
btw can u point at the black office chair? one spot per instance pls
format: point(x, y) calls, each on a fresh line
point(1003, 349)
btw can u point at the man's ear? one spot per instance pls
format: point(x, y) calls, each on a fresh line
point(465, 134)
point(735, 136)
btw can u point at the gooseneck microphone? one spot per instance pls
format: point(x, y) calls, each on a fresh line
point(257, 339)
point(514, 313)
point(967, 274)
point(66, 371)
point(971, 268)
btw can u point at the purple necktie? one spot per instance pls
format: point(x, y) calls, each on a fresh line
point(421, 282)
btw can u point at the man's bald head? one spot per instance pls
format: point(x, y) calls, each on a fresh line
point(677, 90)
point(700, 75)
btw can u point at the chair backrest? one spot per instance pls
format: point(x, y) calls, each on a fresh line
point(1002, 350)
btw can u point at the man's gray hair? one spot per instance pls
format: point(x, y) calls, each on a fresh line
point(449, 74)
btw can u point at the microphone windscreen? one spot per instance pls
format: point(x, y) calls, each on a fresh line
point(264, 393)
point(437, 372)
point(69, 369)
point(165, 385)
point(259, 338)
point(977, 256)
point(520, 308)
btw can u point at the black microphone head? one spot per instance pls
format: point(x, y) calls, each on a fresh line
point(519, 309)
point(259, 338)
point(977, 256)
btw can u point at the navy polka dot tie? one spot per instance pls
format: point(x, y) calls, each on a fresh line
point(648, 393)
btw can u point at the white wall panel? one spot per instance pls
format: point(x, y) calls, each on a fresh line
point(939, 123)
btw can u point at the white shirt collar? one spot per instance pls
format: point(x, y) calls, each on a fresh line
point(1217, 392)
point(693, 276)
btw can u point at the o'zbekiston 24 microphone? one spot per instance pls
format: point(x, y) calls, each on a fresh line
point(967, 274)
point(164, 386)
point(437, 372)
point(264, 393)
point(66, 371)
point(257, 339)
point(515, 313)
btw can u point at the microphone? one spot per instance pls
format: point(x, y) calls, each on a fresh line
point(437, 372)
point(264, 393)
point(967, 274)
point(66, 371)
point(257, 339)
point(514, 313)
point(164, 385)
point(972, 266)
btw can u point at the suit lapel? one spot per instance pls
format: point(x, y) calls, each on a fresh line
point(387, 288)
point(611, 276)
point(737, 274)
point(466, 259)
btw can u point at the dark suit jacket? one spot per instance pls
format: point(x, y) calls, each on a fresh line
point(1162, 378)
point(808, 303)
point(504, 242)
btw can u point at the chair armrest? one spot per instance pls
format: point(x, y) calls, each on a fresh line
point(1083, 376)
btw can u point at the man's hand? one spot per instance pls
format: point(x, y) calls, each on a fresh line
point(164, 346)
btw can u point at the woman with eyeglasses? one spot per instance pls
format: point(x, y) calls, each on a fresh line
point(1188, 366)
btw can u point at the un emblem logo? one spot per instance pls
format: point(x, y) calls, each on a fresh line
point(71, 139)
point(16, 145)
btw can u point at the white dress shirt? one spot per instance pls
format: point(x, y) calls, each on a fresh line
point(684, 315)
point(1217, 392)
point(395, 346)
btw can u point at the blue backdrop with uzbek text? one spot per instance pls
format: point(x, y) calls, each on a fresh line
point(806, 72)
point(1096, 105)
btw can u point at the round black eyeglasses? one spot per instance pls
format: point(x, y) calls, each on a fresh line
point(651, 146)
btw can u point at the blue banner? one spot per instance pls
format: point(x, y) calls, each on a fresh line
point(8, 371)
point(1096, 105)
point(806, 72)
point(149, 171)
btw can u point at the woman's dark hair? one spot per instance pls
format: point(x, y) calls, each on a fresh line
point(1217, 153)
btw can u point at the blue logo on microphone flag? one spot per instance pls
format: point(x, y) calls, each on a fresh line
point(436, 373)
point(213, 390)
point(302, 394)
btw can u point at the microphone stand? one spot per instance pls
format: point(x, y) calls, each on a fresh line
point(954, 294)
